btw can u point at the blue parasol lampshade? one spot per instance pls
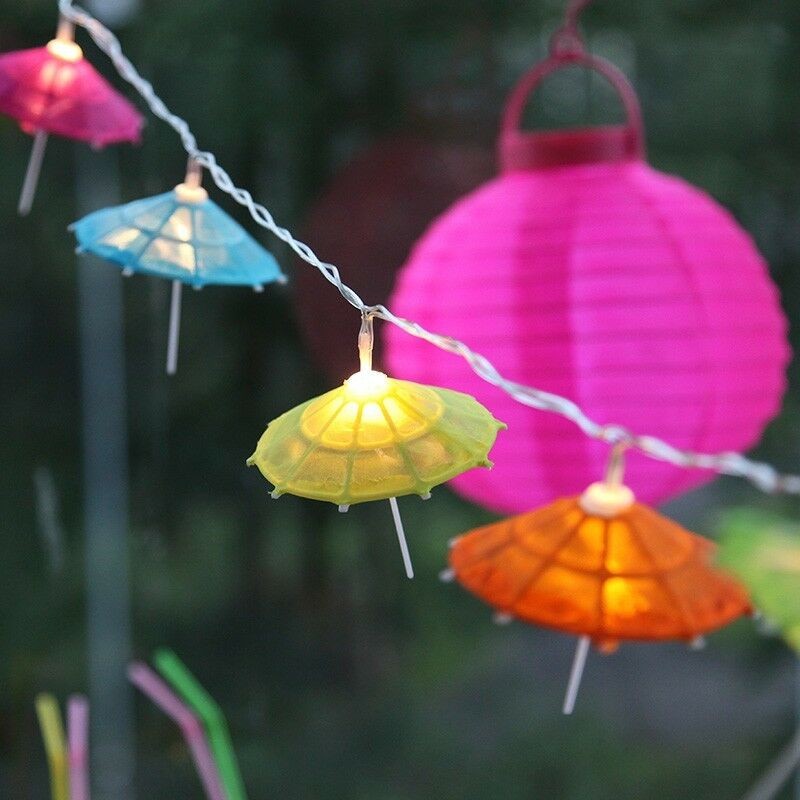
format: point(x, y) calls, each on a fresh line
point(181, 236)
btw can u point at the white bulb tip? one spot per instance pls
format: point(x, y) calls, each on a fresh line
point(698, 643)
point(502, 618)
point(447, 576)
point(343, 509)
point(258, 288)
point(606, 499)
point(65, 50)
point(191, 195)
point(426, 496)
point(367, 385)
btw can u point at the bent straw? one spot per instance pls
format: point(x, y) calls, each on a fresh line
point(54, 745)
point(206, 708)
point(78, 737)
point(148, 682)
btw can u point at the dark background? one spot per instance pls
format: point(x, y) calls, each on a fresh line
point(340, 678)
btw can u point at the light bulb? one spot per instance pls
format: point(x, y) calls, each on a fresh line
point(367, 385)
point(606, 499)
point(65, 50)
point(190, 194)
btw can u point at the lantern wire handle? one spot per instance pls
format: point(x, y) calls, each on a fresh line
point(193, 180)
point(567, 39)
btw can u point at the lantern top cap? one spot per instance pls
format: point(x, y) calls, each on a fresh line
point(611, 144)
point(606, 500)
point(525, 150)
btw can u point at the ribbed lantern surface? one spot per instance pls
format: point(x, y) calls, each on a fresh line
point(583, 271)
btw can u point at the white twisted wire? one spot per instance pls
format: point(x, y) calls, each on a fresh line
point(764, 476)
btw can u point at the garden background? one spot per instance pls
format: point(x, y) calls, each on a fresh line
point(339, 677)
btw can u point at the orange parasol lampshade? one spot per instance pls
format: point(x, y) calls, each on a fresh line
point(601, 566)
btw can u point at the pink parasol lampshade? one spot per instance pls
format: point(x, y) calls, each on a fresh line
point(54, 89)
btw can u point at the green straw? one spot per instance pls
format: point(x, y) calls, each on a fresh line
point(206, 708)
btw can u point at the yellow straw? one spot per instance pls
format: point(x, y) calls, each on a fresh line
point(54, 744)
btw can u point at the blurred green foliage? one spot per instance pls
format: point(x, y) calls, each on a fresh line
point(763, 550)
point(340, 678)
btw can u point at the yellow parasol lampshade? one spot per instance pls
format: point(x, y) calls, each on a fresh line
point(375, 438)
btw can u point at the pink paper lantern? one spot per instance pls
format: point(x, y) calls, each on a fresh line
point(583, 271)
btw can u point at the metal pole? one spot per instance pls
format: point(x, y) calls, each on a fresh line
point(105, 465)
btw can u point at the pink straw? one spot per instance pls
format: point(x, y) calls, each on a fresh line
point(158, 691)
point(78, 741)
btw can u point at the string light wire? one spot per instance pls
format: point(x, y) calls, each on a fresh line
point(764, 476)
